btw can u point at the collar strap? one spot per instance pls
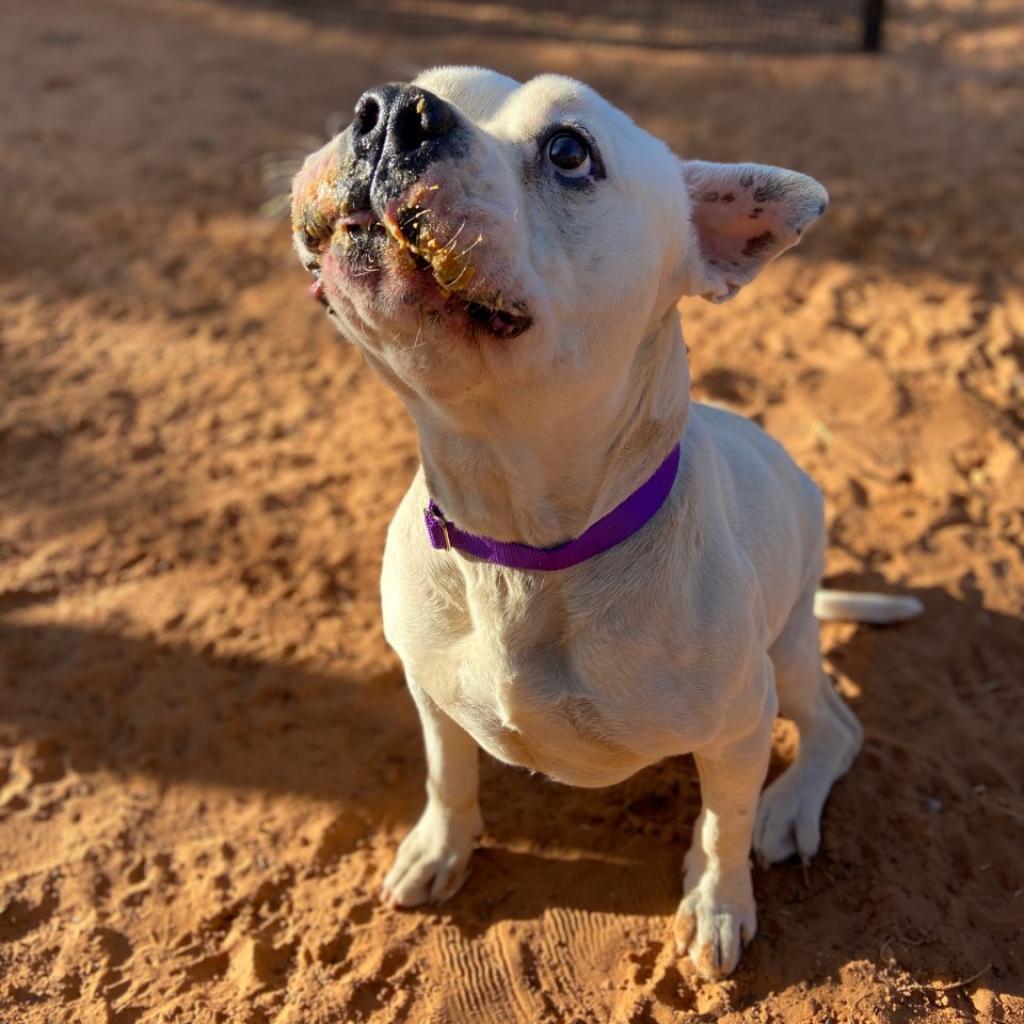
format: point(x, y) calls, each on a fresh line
point(621, 523)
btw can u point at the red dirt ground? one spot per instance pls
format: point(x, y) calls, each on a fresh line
point(207, 755)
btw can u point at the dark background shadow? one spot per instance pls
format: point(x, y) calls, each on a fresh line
point(804, 26)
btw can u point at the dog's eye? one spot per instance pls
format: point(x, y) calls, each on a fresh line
point(569, 154)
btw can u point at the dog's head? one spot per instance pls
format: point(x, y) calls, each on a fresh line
point(475, 235)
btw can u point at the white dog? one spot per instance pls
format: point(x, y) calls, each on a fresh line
point(509, 258)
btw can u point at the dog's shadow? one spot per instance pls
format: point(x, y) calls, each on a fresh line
point(920, 861)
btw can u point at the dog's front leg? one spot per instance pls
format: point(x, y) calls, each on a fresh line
point(717, 916)
point(433, 859)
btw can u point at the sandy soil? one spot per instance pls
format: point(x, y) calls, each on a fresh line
point(206, 752)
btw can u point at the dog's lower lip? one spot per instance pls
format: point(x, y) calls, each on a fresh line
point(501, 323)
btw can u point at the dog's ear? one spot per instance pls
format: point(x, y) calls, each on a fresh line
point(744, 215)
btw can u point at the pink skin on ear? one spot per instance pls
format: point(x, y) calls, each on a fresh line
point(744, 216)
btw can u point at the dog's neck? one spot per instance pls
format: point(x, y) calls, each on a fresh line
point(541, 479)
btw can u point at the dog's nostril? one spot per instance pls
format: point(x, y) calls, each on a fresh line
point(410, 132)
point(421, 117)
point(367, 114)
point(436, 116)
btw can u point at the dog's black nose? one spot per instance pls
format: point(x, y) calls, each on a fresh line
point(397, 132)
point(401, 119)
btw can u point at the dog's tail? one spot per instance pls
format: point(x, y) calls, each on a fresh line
point(879, 609)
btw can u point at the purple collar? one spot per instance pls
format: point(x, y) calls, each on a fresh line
point(623, 521)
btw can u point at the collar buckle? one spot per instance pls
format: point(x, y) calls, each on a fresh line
point(437, 528)
point(444, 533)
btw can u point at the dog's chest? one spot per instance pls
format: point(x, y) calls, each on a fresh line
point(537, 713)
point(512, 677)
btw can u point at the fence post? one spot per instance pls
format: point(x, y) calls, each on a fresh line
point(874, 15)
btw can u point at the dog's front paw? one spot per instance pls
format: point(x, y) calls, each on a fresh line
point(433, 860)
point(713, 925)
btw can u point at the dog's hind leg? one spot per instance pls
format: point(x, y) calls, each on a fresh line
point(789, 814)
point(433, 860)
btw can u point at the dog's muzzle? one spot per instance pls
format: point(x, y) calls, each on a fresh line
point(364, 197)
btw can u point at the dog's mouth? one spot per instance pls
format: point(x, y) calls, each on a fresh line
point(402, 242)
